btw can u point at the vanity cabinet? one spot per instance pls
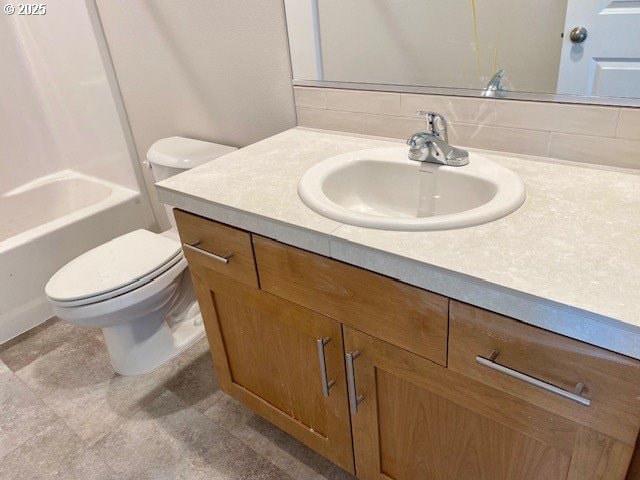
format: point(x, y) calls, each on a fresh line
point(418, 420)
point(393, 382)
point(588, 385)
point(282, 360)
point(406, 316)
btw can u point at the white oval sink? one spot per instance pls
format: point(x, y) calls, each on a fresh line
point(381, 188)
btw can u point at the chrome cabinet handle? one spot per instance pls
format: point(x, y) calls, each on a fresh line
point(326, 384)
point(194, 247)
point(575, 396)
point(354, 398)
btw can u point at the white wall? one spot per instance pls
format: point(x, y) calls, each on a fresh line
point(215, 70)
point(56, 109)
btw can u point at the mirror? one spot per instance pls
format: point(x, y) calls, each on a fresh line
point(589, 49)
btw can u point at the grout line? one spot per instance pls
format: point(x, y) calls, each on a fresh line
point(331, 238)
point(491, 122)
point(615, 132)
point(89, 447)
point(85, 445)
point(43, 400)
point(251, 447)
point(126, 419)
point(57, 418)
point(92, 446)
point(546, 151)
point(494, 113)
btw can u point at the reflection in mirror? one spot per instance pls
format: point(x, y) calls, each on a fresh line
point(574, 47)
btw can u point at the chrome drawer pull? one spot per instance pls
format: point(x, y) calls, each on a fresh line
point(575, 396)
point(194, 247)
point(326, 384)
point(354, 398)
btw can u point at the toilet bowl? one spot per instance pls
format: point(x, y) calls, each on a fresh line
point(137, 287)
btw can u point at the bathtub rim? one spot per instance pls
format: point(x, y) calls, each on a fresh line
point(118, 194)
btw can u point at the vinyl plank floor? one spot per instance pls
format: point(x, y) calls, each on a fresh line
point(22, 413)
point(55, 453)
point(284, 451)
point(170, 440)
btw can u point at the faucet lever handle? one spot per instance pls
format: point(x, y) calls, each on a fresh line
point(436, 124)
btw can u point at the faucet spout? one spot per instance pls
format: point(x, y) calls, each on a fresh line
point(493, 87)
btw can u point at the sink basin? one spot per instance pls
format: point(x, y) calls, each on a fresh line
point(381, 188)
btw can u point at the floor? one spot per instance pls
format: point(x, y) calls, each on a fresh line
point(65, 414)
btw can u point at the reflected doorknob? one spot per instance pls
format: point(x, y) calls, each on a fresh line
point(578, 34)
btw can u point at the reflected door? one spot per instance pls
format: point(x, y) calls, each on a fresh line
point(607, 62)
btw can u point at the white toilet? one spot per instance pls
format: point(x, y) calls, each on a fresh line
point(137, 287)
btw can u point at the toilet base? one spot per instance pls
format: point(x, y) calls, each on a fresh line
point(145, 328)
point(142, 346)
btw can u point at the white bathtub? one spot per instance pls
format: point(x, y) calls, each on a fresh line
point(46, 223)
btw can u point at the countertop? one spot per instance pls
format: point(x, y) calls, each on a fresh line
point(568, 260)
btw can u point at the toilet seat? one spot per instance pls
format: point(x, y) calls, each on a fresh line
point(117, 267)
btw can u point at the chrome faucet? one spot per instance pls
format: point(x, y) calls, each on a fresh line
point(432, 146)
point(493, 88)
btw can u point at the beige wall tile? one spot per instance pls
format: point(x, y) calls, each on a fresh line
point(515, 140)
point(331, 120)
point(455, 109)
point(385, 103)
point(554, 117)
point(309, 97)
point(393, 127)
point(571, 132)
point(629, 124)
point(602, 151)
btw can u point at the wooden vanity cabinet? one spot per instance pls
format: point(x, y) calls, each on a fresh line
point(403, 315)
point(418, 420)
point(384, 379)
point(270, 354)
point(560, 372)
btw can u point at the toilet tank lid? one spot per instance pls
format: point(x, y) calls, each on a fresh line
point(185, 153)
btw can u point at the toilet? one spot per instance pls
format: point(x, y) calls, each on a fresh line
point(137, 287)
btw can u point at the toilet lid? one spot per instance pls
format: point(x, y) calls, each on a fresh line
point(114, 267)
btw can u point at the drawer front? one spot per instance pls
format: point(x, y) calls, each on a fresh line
point(217, 247)
point(546, 369)
point(405, 316)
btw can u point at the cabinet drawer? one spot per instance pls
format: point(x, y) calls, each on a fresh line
point(405, 316)
point(218, 247)
point(544, 369)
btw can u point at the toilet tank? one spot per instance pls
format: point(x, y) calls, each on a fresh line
point(170, 156)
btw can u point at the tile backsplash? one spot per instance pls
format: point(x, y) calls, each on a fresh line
point(580, 133)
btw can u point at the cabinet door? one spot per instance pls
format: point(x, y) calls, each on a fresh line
point(413, 419)
point(281, 360)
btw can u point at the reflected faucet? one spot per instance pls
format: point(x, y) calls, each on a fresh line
point(493, 87)
point(432, 146)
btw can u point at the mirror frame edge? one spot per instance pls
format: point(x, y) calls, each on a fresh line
point(473, 93)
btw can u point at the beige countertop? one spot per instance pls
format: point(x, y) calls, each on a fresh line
point(568, 260)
